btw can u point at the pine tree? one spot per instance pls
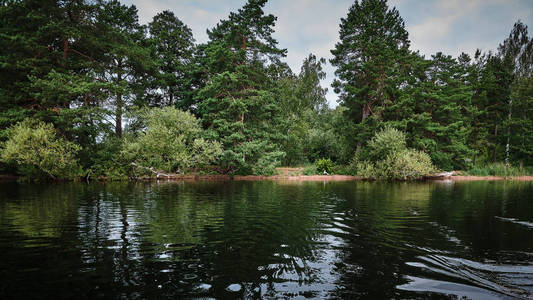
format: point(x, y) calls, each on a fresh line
point(450, 98)
point(370, 60)
point(435, 109)
point(238, 104)
point(173, 43)
point(39, 62)
point(120, 55)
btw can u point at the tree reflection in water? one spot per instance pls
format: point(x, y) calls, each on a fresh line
point(259, 239)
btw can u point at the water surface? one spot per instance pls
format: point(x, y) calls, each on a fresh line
point(267, 239)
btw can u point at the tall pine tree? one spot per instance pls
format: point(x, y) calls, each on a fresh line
point(174, 47)
point(371, 62)
point(238, 105)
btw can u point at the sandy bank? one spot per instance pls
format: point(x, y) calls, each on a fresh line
point(324, 178)
point(176, 177)
point(298, 178)
point(256, 178)
point(486, 178)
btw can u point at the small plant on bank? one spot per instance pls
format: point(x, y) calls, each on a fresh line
point(310, 170)
point(498, 169)
point(324, 165)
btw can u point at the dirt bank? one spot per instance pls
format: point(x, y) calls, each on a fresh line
point(298, 178)
point(289, 177)
point(487, 178)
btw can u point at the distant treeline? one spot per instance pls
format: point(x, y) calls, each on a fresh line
point(88, 91)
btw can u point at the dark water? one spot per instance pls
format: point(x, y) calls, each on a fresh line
point(264, 239)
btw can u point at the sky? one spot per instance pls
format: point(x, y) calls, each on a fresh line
point(312, 26)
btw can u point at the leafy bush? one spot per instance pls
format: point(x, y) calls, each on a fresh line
point(388, 140)
point(324, 165)
point(405, 165)
point(267, 163)
point(322, 143)
point(171, 142)
point(38, 152)
point(366, 169)
point(392, 159)
point(108, 161)
point(344, 170)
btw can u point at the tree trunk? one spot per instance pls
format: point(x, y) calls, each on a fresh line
point(495, 143)
point(65, 51)
point(118, 117)
point(508, 134)
point(120, 104)
point(366, 112)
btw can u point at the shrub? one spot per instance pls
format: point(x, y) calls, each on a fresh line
point(171, 142)
point(366, 169)
point(392, 159)
point(343, 170)
point(267, 163)
point(322, 143)
point(108, 161)
point(405, 165)
point(324, 164)
point(388, 140)
point(37, 152)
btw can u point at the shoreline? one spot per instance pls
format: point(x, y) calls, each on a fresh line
point(326, 178)
point(302, 178)
point(486, 178)
point(254, 178)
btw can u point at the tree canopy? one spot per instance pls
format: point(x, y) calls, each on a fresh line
point(105, 93)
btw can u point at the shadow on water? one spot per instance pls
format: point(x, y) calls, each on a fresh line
point(267, 239)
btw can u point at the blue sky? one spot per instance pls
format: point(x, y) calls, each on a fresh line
point(311, 26)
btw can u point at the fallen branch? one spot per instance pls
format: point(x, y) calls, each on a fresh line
point(441, 175)
point(151, 169)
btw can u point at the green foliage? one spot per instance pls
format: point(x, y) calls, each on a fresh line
point(370, 58)
point(310, 170)
point(367, 169)
point(108, 162)
point(324, 165)
point(303, 103)
point(238, 104)
point(391, 159)
point(438, 110)
point(266, 164)
point(387, 141)
point(406, 164)
point(38, 152)
point(171, 142)
point(83, 65)
point(173, 44)
point(499, 169)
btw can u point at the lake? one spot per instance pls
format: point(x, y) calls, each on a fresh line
point(231, 239)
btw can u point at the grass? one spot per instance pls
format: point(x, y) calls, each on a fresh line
point(310, 170)
point(500, 169)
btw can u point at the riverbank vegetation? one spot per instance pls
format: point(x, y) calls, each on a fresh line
point(88, 91)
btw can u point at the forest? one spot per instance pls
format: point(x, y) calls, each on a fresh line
point(88, 91)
